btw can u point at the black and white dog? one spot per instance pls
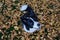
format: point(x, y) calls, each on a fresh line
point(29, 19)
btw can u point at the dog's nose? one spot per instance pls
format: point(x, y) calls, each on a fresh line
point(38, 24)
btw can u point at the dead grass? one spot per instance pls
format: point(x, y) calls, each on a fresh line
point(48, 12)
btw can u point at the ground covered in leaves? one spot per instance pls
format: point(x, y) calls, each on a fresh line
point(48, 12)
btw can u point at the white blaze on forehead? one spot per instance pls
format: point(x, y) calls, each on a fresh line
point(35, 23)
point(23, 7)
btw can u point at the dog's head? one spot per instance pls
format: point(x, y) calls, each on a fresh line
point(29, 19)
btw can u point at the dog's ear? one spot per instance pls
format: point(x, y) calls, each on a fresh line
point(30, 11)
point(23, 7)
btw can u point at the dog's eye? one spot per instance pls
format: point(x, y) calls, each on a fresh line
point(31, 22)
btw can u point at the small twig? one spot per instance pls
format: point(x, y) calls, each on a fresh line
point(26, 36)
point(12, 36)
point(38, 36)
point(3, 7)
